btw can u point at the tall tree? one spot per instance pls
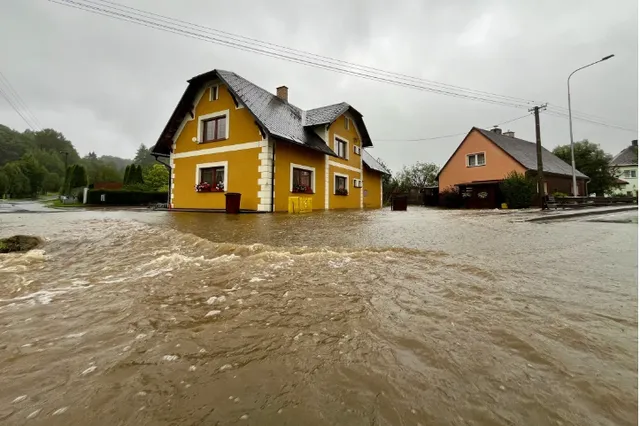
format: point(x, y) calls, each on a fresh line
point(127, 175)
point(593, 162)
point(4, 183)
point(34, 172)
point(49, 139)
point(156, 177)
point(143, 156)
point(420, 175)
point(19, 185)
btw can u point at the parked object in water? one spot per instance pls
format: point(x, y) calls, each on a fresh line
point(399, 202)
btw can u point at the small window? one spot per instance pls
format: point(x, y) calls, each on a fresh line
point(302, 181)
point(213, 93)
point(214, 129)
point(341, 148)
point(346, 123)
point(356, 149)
point(341, 187)
point(212, 177)
point(475, 160)
point(629, 173)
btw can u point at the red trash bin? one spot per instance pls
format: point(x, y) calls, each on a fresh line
point(232, 202)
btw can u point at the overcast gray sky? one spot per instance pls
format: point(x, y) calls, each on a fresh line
point(110, 85)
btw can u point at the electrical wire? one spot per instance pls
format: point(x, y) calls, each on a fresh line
point(16, 109)
point(254, 49)
point(18, 101)
point(163, 23)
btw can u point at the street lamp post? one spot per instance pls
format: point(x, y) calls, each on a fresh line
point(573, 159)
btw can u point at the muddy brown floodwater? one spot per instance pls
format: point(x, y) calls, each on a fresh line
point(341, 318)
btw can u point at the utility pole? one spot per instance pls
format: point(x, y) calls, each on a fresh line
point(536, 112)
point(66, 159)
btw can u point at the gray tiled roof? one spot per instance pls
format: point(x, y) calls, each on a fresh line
point(278, 118)
point(626, 157)
point(326, 114)
point(372, 163)
point(524, 152)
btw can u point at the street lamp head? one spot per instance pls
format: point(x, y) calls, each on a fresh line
point(607, 57)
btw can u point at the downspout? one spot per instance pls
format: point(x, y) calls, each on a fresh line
point(170, 170)
point(273, 178)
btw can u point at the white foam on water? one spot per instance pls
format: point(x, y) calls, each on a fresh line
point(212, 313)
point(214, 299)
point(254, 292)
point(339, 263)
point(297, 337)
point(141, 336)
point(226, 367)
point(170, 357)
point(192, 368)
point(244, 417)
point(34, 413)
point(256, 280)
point(89, 370)
point(75, 335)
point(60, 411)
point(19, 399)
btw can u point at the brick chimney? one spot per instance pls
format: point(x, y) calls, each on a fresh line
point(634, 142)
point(509, 133)
point(283, 93)
point(497, 130)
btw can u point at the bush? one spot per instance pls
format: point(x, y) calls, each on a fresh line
point(518, 190)
point(125, 197)
point(450, 197)
point(559, 194)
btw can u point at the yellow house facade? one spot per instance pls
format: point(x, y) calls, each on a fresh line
point(229, 135)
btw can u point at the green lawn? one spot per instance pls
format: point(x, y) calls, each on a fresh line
point(58, 203)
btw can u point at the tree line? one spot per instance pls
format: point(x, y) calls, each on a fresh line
point(35, 163)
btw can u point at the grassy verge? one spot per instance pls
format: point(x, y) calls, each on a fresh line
point(58, 203)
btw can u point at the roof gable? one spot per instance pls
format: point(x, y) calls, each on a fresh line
point(273, 115)
point(626, 157)
point(525, 153)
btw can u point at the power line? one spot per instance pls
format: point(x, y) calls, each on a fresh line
point(448, 136)
point(148, 19)
point(251, 48)
point(285, 49)
point(15, 108)
point(17, 99)
point(613, 126)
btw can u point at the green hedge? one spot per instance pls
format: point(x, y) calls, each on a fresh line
point(123, 197)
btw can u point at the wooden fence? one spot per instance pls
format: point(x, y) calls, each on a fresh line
point(576, 202)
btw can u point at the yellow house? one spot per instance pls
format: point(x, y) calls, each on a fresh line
point(228, 135)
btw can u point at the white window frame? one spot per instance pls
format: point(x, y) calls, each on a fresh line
point(206, 117)
point(300, 166)
point(337, 138)
point(217, 92)
point(347, 186)
point(347, 123)
point(357, 150)
point(357, 183)
point(475, 154)
point(224, 164)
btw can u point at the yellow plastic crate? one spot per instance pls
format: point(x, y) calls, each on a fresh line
point(299, 204)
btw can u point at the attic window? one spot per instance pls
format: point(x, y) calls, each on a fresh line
point(213, 93)
point(476, 160)
point(346, 123)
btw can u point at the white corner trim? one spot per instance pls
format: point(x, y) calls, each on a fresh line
point(381, 195)
point(204, 117)
point(326, 182)
point(300, 166)
point(224, 164)
point(337, 138)
point(348, 182)
point(218, 150)
point(344, 166)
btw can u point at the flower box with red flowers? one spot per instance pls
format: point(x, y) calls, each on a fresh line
point(342, 191)
point(207, 187)
point(302, 189)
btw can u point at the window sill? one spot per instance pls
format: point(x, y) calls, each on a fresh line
point(479, 165)
point(341, 195)
point(206, 192)
point(303, 192)
point(213, 140)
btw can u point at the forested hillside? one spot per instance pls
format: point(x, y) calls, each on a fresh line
point(33, 163)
